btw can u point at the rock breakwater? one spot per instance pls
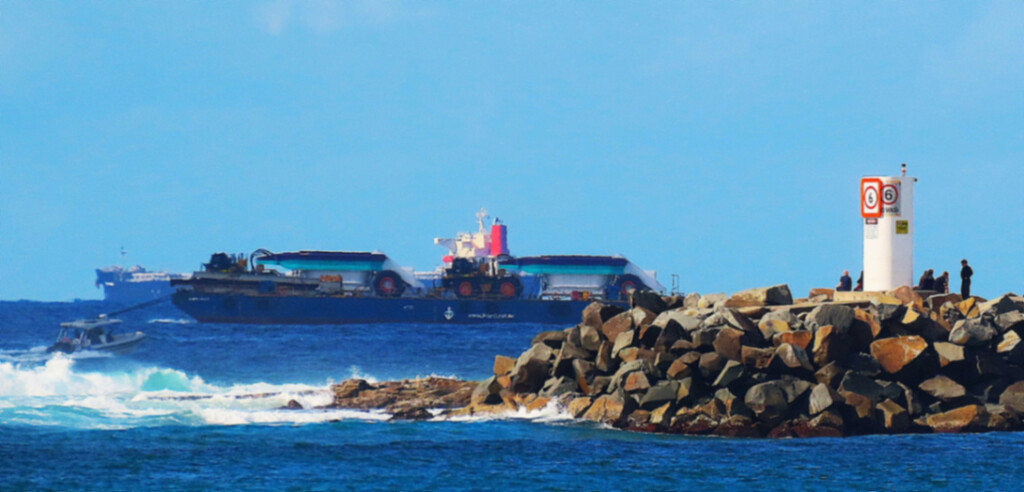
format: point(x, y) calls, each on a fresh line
point(759, 364)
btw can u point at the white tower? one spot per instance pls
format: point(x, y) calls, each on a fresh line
point(887, 206)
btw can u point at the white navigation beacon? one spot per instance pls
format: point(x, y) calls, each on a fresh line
point(887, 208)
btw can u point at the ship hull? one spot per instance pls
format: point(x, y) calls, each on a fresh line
point(261, 309)
point(125, 292)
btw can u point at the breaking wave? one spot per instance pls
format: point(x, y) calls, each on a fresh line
point(57, 393)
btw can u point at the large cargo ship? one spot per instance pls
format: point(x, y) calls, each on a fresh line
point(134, 284)
point(479, 281)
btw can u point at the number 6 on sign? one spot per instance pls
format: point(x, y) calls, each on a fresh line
point(870, 198)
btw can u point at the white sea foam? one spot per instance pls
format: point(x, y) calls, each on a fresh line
point(171, 321)
point(550, 413)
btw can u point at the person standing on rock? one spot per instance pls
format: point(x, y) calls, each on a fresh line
point(927, 281)
point(845, 282)
point(965, 279)
point(942, 283)
point(860, 282)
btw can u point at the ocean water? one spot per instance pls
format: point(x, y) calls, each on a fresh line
point(197, 407)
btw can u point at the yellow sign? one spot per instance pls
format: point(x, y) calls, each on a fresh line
point(902, 227)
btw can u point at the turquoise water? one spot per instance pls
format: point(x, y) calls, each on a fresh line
point(197, 407)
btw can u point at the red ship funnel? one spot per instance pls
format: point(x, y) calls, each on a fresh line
point(499, 240)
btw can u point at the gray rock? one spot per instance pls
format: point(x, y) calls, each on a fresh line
point(973, 332)
point(823, 398)
point(1013, 320)
point(558, 386)
point(837, 315)
point(789, 358)
point(861, 385)
point(705, 337)
point(590, 337)
point(710, 365)
point(767, 401)
point(1013, 396)
point(649, 300)
point(732, 371)
point(487, 392)
point(659, 394)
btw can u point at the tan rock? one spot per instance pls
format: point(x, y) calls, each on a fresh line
point(829, 345)
point(678, 370)
point(538, 403)
point(969, 307)
point(800, 338)
point(789, 357)
point(818, 292)
point(636, 381)
point(942, 388)
point(728, 343)
point(770, 327)
point(948, 353)
point(502, 365)
point(578, 406)
point(869, 319)
point(897, 352)
point(756, 358)
point(966, 418)
point(628, 354)
point(866, 296)
point(660, 415)
point(617, 324)
point(895, 417)
point(906, 295)
point(1009, 343)
point(606, 409)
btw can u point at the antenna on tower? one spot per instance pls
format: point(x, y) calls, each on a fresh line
point(480, 216)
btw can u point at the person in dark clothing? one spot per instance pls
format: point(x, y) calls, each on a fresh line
point(965, 279)
point(845, 282)
point(860, 282)
point(927, 281)
point(942, 283)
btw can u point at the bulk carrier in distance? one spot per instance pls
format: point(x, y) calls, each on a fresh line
point(479, 281)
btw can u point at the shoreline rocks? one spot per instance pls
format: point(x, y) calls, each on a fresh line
point(834, 364)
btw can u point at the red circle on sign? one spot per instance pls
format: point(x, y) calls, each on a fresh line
point(890, 194)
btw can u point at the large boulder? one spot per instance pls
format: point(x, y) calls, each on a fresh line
point(649, 300)
point(949, 353)
point(767, 401)
point(732, 371)
point(823, 398)
point(964, 419)
point(830, 344)
point(896, 353)
point(1013, 396)
point(590, 337)
point(553, 339)
point(606, 409)
point(942, 388)
point(660, 394)
point(789, 359)
point(972, 332)
point(596, 314)
point(837, 315)
point(1000, 305)
point(502, 365)
point(617, 324)
point(776, 295)
point(728, 343)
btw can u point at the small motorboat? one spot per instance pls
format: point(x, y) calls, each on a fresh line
point(94, 334)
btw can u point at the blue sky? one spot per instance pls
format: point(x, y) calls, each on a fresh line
point(721, 141)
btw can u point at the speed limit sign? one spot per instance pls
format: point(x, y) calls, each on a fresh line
point(871, 198)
